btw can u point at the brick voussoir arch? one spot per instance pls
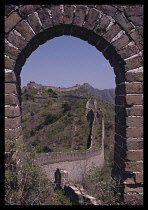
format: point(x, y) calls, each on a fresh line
point(114, 30)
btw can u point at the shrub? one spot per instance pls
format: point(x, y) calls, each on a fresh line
point(33, 188)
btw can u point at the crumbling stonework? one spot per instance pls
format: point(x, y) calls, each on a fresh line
point(116, 31)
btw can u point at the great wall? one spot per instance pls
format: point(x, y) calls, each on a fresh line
point(116, 31)
point(76, 163)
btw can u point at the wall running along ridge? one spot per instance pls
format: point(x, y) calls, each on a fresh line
point(116, 31)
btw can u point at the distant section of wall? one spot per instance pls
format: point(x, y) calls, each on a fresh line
point(76, 163)
point(63, 89)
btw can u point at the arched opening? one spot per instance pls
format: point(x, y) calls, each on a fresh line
point(113, 30)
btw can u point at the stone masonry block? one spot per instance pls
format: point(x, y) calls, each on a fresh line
point(68, 14)
point(134, 144)
point(10, 77)
point(133, 189)
point(134, 111)
point(134, 63)
point(132, 87)
point(12, 112)
point(16, 40)
point(11, 21)
point(91, 18)
point(131, 76)
point(10, 88)
point(27, 9)
point(9, 63)
point(11, 51)
point(24, 29)
point(45, 18)
point(112, 32)
point(128, 51)
point(134, 132)
point(131, 100)
point(35, 23)
point(12, 123)
point(132, 11)
point(57, 16)
point(100, 28)
point(135, 156)
point(80, 14)
point(121, 42)
point(139, 177)
point(134, 166)
point(123, 21)
point(11, 100)
point(131, 121)
point(137, 39)
point(108, 9)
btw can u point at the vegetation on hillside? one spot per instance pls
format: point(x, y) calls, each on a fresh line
point(31, 187)
point(59, 123)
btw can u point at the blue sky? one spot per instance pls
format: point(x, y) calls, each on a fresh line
point(66, 61)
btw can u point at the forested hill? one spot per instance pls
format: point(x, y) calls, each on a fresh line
point(56, 120)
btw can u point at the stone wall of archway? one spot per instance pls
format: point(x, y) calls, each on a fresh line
point(116, 31)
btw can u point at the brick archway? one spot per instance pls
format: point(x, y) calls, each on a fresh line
point(114, 30)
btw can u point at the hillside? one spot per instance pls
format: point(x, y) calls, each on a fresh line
point(106, 94)
point(58, 122)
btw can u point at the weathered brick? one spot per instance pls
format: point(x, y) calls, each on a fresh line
point(80, 14)
point(122, 20)
point(68, 14)
point(137, 39)
point(134, 99)
point(130, 121)
point(9, 63)
point(108, 9)
point(134, 132)
point(112, 32)
point(11, 21)
point(133, 189)
point(24, 29)
point(91, 18)
point(133, 199)
point(100, 28)
point(11, 100)
point(139, 177)
point(134, 87)
point(136, 20)
point(16, 40)
point(10, 88)
point(134, 166)
point(27, 9)
point(134, 111)
point(57, 16)
point(131, 76)
point(34, 22)
point(11, 123)
point(134, 144)
point(9, 134)
point(134, 63)
point(11, 51)
point(134, 11)
point(128, 51)
point(45, 18)
point(121, 42)
point(12, 112)
point(10, 77)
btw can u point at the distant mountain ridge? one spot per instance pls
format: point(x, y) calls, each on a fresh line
point(106, 94)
